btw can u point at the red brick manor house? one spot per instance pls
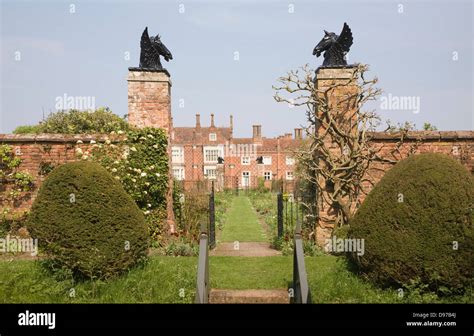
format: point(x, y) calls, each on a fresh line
point(202, 153)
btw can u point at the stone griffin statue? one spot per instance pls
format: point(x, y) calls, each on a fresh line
point(151, 49)
point(334, 47)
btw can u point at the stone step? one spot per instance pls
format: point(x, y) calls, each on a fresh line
point(249, 296)
point(244, 249)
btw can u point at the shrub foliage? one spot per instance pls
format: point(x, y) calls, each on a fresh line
point(101, 120)
point(13, 181)
point(84, 220)
point(140, 162)
point(418, 225)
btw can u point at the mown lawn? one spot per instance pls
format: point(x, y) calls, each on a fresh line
point(250, 272)
point(242, 223)
point(162, 280)
point(172, 280)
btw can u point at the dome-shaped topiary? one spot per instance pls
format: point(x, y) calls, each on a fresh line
point(84, 220)
point(417, 224)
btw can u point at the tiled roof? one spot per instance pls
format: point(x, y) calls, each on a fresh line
point(183, 135)
point(271, 145)
point(191, 135)
point(242, 141)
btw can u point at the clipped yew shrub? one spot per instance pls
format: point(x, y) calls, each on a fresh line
point(85, 221)
point(417, 223)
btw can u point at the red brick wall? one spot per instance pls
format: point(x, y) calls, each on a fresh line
point(34, 150)
point(457, 144)
point(59, 149)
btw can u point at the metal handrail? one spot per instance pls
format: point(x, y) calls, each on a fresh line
point(301, 292)
point(202, 282)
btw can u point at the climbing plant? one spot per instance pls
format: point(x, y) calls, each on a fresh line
point(139, 160)
point(14, 184)
point(13, 179)
point(337, 160)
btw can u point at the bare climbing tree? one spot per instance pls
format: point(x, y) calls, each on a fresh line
point(338, 154)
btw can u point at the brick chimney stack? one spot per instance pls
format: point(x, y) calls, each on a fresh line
point(212, 120)
point(198, 120)
point(231, 125)
point(257, 132)
point(298, 133)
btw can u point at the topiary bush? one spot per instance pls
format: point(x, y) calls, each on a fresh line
point(418, 225)
point(85, 221)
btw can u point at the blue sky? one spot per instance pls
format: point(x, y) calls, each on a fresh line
point(424, 49)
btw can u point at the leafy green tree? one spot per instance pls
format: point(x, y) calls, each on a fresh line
point(27, 129)
point(429, 127)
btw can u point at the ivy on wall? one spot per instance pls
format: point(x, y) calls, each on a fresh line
point(11, 174)
point(138, 158)
point(13, 182)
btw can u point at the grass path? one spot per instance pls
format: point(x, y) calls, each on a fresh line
point(242, 223)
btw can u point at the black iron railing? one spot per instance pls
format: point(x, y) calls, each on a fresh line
point(202, 283)
point(280, 214)
point(301, 292)
point(237, 184)
point(212, 219)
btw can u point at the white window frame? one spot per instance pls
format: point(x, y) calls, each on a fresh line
point(178, 173)
point(290, 161)
point(177, 158)
point(288, 173)
point(267, 160)
point(206, 172)
point(218, 152)
point(267, 173)
point(245, 160)
point(245, 177)
point(212, 137)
